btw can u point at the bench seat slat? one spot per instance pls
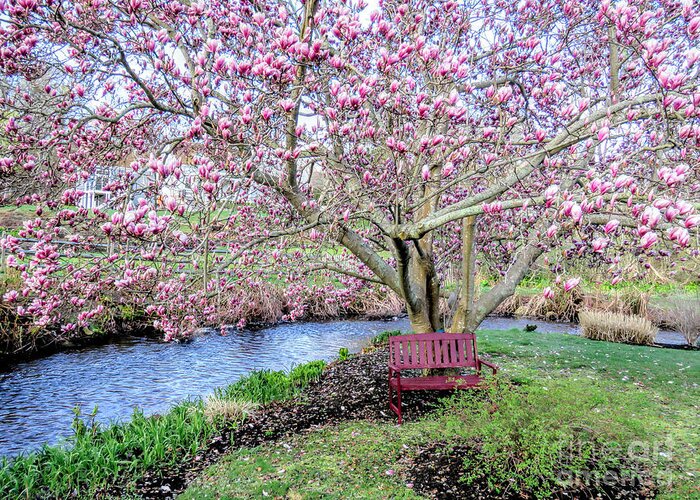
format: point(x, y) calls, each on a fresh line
point(438, 382)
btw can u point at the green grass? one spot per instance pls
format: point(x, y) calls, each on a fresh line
point(263, 386)
point(616, 405)
point(596, 282)
point(348, 461)
point(98, 455)
point(384, 337)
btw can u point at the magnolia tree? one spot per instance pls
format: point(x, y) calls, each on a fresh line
point(385, 143)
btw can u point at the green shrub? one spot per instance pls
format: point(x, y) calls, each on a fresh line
point(522, 442)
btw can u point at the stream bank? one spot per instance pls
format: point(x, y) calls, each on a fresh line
point(342, 419)
point(37, 397)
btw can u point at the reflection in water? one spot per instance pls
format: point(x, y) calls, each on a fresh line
point(37, 397)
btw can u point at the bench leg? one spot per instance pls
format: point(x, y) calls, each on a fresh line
point(398, 403)
point(396, 408)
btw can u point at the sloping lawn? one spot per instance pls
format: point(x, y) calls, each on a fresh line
point(567, 411)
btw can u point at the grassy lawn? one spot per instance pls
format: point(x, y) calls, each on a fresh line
point(618, 405)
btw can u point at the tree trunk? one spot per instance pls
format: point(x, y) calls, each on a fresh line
point(466, 296)
point(419, 279)
point(420, 323)
point(422, 291)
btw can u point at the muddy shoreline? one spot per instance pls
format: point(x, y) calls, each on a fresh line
point(48, 345)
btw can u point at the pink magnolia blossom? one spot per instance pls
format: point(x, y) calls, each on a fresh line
point(576, 212)
point(603, 133)
point(493, 207)
point(551, 191)
point(599, 244)
point(611, 225)
point(287, 105)
point(671, 213)
point(651, 216)
point(648, 240)
point(170, 203)
point(692, 221)
point(694, 26)
point(684, 208)
point(571, 283)
point(680, 235)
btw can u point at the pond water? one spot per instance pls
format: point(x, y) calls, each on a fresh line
point(37, 397)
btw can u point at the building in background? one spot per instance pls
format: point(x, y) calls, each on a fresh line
point(94, 193)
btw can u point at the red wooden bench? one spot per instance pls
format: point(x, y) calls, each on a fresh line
point(433, 350)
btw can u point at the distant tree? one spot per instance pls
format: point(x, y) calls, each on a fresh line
point(415, 136)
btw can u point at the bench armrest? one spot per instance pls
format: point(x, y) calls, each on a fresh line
point(493, 367)
point(394, 368)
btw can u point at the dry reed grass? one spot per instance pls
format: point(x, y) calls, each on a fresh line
point(226, 410)
point(322, 307)
point(685, 317)
point(269, 303)
point(566, 306)
point(617, 327)
point(263, 303)
point(630, 302)
point(377, 303)
point(563, 307)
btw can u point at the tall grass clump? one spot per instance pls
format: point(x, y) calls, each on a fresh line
point(685, 317)
point(376, 302)
point(263, 386)
point(617, 327)
point(383, 337)
point(630, 301)
point(220, 410)
point(563, 307)
point(98, 455)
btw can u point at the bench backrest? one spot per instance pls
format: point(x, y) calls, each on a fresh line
point(433, 350)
